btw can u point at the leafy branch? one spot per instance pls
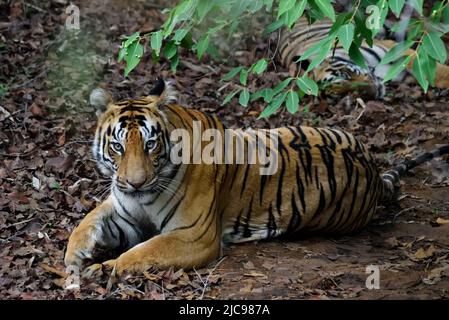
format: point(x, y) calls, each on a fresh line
point(195, 25)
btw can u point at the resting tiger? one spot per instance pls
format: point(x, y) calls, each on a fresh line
point(162, 214)
point(338, 74)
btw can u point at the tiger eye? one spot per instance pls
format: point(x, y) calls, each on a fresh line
point(117, 147)
point(151, 144)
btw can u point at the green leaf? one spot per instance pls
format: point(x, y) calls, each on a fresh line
point(54, 185)
point(259, 66)
point(255, 5)
point(265, 93)
point(284, 6)
point(357, 56)
point(382, 6)
point(340, 20)
point(133, 55)
point(244, 97)
point(244, 77)
point(238, 8)
point(121, 53)
point(231, 74)
point(435, 46)
point(135, 36)
point(174, 61)
point(326, 8)
point(273, 106)
point(156, 41)
point(268, 5)
point(187, 41)
point(281, 86)
point(417, 4)
point(213, 51)
point(321, 55)
point(307, 85)
point(396, 6)
point(418, 70)
point(430, 66)
point(361, 26)
point(318, 48)
point(201, 46)
point(273, 27)
point(445, 16)
point(346, 35)
point(170, 49)
point(292, 101)
point(414, 28)
point(180, 34)
point(230, 96)
point(203, 8)
point(397, 68)
point(396, 52)
point(296, 12)
point(185, 9)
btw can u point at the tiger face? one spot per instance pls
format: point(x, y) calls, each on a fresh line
point(342, 77)
point(130, 142)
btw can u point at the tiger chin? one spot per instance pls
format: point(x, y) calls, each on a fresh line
point(162, 214)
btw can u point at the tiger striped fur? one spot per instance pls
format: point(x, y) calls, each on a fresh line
point(160, 214)
point(338, 73)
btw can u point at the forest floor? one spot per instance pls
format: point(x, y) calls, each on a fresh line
point(48, 181)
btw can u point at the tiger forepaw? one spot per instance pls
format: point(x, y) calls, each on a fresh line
point(96, 270)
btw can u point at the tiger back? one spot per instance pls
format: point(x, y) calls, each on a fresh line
point(338, 74)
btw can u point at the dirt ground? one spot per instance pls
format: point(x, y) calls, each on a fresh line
point(48, 181)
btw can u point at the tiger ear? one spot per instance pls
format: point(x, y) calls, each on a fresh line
point(162, 93)
point(100, 99)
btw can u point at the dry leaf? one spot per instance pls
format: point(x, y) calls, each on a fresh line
point(255, 274)
point(422, 253)
point(53, 270)
point(442, 221)
point(436, 274)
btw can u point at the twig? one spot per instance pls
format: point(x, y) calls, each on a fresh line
point(402, 211)
point(17, 154)
point(34, 7)
point(205, 283)
point(24, 84)
point(363, 105)
point(17, 223)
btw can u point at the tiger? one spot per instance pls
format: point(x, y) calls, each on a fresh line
point(338, 74)
point(161, 213)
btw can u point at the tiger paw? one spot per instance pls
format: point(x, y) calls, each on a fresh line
point(80, 249)
point(93, 271)
point(96, 270)
point(129, 263)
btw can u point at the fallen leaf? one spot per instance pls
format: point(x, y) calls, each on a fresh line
point(53, 270)
point(36, 110)
point(422, 253)
point(391, 243)
point(442, 221)
point(436, 274)
point(255, 274)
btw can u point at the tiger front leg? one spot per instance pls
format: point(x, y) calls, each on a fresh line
point(180, 249)
point(89, 236)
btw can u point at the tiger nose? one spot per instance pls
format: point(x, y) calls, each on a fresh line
point(136, 184)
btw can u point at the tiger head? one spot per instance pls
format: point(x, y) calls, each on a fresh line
point(131, 142)
point(338, 78)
